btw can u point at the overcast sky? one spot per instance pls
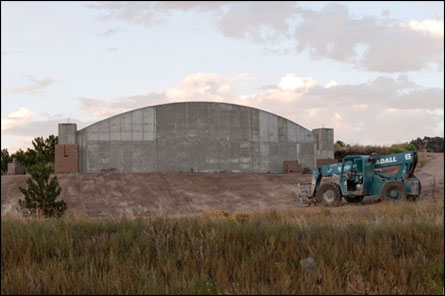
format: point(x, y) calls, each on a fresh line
point(373, 71)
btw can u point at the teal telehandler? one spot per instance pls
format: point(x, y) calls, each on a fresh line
point(358, 176)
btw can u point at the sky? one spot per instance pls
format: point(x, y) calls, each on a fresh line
point(373, 71)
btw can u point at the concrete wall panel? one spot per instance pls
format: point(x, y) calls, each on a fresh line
point(203, 136)
point(149, 128)
point(67, 133)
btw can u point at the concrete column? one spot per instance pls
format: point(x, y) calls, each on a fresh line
point(325, 142)
point(66, 153)
point(67, 133)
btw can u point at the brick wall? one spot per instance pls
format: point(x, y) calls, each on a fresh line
point(67, 158)
point(291, 167)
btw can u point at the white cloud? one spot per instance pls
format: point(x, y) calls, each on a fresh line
point(368, 43)
point(99, 107)
point(292, 81)
point(331, 83)
point(39, 85)
point(258, 21)
point(21, 136)
point(379, 111)
point(205, 87)
point(334, 34)
point(18, 118)
point(102, 108)
point(432, 27)
point(237, 20)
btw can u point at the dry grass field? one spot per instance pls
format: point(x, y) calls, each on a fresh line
point(366, 248)
point(382, 248)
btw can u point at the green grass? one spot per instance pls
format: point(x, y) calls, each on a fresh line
point(383, 248)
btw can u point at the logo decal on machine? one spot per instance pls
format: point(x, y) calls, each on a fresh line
point(386, 160)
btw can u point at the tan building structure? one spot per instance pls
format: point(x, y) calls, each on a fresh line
point(15, 167)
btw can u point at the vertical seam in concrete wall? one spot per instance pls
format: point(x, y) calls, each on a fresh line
point(155, 123)
point(78, 154)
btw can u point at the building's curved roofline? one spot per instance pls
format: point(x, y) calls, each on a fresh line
point(186, 102)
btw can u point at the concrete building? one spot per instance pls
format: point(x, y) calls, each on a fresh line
point(15, 167)
point(194, 136)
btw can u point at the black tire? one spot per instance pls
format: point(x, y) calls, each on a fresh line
point(329, 193)
point(393, 191)
point(414, 197)
point(354, 199)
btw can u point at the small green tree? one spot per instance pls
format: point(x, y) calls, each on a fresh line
point(5, 159)
point(41, 194)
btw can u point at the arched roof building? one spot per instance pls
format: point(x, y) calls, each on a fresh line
point(195, 136)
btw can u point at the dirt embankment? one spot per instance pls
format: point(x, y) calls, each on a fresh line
point(432, 171)
point(179, 194)
point(173, 194)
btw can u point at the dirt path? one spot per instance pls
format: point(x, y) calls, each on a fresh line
point(431, 172)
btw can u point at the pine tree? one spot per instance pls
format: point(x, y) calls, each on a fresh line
point(41, 194)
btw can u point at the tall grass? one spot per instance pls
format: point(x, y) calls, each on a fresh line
point(375, 249)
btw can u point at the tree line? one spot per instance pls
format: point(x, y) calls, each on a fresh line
point(45, 147)
point(434, 144)
point(42, 189)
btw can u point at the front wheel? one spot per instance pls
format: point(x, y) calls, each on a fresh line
point(329, 193)
point(393, 191)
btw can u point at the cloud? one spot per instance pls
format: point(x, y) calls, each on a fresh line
point(14, 143)
point(150, 13)
point(367, 43)
point(331, 83)
point(258, 21)
point(195, 87)
point(21, 136)
point(101, 108)
point(18, 118)
point(39, 85)
point(143, 13)
point(202, 87)
point(292, 81)
point(379, 111)
point(107, 32)
point(332, 33)
point(97, 107)
point(191, 5)
point(268, 22)
point(433, 28)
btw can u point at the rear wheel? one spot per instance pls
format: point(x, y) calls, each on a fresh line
point(354, 199)
point(393, 191)
point(329, 193)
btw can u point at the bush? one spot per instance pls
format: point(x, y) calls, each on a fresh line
point(398, 148)
point(341, 151)
point(41, 194)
